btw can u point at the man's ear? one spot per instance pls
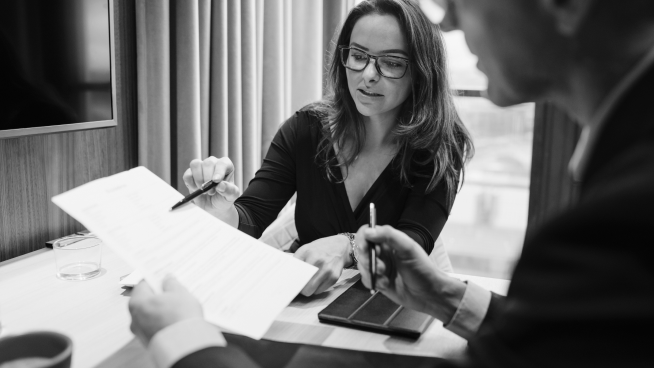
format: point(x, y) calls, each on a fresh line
point(569, 15)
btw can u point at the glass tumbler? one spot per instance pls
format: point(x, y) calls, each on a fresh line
point(78, 257)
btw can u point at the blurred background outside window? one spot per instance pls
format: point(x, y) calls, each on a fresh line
point(487, 225)
point(486, 228)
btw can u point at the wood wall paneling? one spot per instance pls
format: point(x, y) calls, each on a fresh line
point(35, 168)
point(22, 194)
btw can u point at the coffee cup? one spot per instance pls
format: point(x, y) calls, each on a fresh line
point(42, 349)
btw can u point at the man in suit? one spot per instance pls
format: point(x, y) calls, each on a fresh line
point(581, 294)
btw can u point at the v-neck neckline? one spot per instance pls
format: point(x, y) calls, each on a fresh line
point(340, 185)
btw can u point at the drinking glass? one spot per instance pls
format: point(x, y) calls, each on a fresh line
point(78, 257)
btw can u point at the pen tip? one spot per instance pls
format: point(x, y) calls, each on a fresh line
point(372, 292)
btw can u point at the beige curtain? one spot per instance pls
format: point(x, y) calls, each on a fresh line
point(219, 77)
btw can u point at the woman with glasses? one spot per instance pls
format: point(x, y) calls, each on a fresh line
point(387, 133)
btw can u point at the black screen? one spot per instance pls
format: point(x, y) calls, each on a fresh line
point(55, 64)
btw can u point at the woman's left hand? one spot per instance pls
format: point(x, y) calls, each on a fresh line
point(330, 255)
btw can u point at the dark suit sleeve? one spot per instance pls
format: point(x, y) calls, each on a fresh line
point(243, 352)
point(581, 294)
point(217, 357)
point(496, 305)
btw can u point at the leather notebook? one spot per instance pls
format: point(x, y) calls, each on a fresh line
point(356, 308)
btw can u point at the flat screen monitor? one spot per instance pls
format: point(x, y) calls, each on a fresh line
point(56, 66)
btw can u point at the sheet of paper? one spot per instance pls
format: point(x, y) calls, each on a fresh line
point(131, 279)
point(243, 284)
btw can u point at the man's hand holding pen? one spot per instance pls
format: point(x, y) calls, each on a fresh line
point(406, 275)
point(372, 254)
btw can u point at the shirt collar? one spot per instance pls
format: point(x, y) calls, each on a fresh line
point(591, 132)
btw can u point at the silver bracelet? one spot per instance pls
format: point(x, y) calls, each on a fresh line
point(353, 249)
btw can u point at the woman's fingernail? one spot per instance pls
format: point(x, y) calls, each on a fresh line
point(221, 187)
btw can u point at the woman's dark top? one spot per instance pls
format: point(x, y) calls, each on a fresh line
point(323, 208)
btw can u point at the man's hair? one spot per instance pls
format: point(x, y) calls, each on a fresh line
point(433, 142)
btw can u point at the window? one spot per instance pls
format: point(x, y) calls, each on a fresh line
point(486, 228)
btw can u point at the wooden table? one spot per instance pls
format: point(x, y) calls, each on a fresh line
point(94, 314)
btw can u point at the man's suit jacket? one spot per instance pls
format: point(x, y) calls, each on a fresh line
point(582, 294)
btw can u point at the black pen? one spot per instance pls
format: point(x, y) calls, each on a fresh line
point(203, 189)
point(373, 252)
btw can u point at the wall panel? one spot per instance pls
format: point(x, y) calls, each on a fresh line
point(33, 169)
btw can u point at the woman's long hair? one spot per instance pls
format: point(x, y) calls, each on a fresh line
point(431, 138)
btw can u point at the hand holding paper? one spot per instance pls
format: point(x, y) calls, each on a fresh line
point(153, 312)
point(242, 283)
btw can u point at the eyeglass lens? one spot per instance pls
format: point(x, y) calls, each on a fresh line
point(389, 66)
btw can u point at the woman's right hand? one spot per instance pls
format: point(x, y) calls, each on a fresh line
point(218, 201)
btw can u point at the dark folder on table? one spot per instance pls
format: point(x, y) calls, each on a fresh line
point(358, 309)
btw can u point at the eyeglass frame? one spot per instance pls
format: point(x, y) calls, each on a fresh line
point(344, 47)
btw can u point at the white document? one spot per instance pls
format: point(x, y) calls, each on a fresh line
point(243, 284)
point(131, 280)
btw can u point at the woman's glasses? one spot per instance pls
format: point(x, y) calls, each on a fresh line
point(393, 67)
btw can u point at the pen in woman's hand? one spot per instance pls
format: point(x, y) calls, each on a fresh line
point(203, 189)
point(372, 253)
